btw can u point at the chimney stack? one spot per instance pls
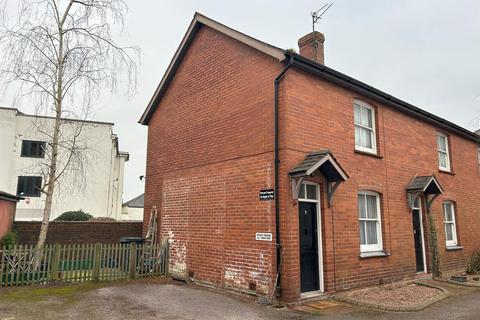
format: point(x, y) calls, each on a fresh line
point(311, 46)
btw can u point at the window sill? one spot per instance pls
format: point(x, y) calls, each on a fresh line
point(454, 248)
point(368, 154)
point(446, 172)
point(374, 254)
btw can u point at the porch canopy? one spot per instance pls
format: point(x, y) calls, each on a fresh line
point(314, 163)
point(423, 185)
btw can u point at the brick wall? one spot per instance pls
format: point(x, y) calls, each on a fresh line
point(77, 232)
point(209, 153)
point(319, 115)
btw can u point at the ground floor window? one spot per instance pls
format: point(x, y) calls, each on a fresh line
point(449, 221)
point(370, 221)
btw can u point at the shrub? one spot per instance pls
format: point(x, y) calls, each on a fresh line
point(473, 265)
point(78, 215)
point(9, 239)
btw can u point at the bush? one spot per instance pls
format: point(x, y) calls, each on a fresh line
point(473, 265)
point(9, 239)
point(78, 215)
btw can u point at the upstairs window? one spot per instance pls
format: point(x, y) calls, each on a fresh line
point(443, 154)
point(29, 186)
point(450, 225)
point(33, 149)
point(370, 222)
point(364, 118)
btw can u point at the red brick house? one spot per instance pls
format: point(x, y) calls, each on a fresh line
point(262, 160)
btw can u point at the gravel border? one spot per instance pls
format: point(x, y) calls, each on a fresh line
point(420, 306)
point(458, 283)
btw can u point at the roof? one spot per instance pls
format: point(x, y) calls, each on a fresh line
point(9, 197)
point(302, 63)
point(322, 160)
point(427, 184)
point(136, 202)
point(21, 114)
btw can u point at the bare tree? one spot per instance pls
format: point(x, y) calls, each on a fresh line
point(61, 55)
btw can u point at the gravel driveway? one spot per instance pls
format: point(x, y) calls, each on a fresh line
point(145, 301)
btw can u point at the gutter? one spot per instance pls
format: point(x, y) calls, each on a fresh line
point(277, 162)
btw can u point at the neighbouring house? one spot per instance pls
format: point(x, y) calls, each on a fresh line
point(133, 209)
point(262, 161)
point(8, 204)
point(94, 183)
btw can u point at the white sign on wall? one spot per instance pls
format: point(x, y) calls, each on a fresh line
point(262, 236)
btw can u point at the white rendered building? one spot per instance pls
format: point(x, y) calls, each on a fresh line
point(133, 209)
point(93, 180)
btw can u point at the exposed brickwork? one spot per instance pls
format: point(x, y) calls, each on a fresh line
point(210, 151)
point(77, 232)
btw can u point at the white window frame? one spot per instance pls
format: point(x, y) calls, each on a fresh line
point(379, 245)
point(454, 241)
point(373, 136)
point(446, 152)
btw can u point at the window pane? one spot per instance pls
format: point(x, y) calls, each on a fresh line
point(311, 191)
point(371, 207)
point(361, 206)
point(358, 132)
point(362, 232)
point(301, 194)
point(357, 114)
point(366, 138)
point(442, 143)
point(416, 204)
point(371, 232)
point(449, 231)
point(447, 207)
point(442, 159)
point(367, 117)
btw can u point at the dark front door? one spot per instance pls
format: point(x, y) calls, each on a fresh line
point(418, 237)
point(309, 274)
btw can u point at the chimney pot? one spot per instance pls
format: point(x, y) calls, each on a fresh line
point(311, 46)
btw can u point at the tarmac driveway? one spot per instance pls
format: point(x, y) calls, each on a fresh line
point(144, 300)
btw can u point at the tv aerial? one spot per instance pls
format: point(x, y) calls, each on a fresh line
point(318, 15)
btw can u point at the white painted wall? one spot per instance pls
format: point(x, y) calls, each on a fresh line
point(98, 190)
point(131, 213)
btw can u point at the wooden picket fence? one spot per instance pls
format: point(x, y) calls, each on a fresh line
point(82, 262)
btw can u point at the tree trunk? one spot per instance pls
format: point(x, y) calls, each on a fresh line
point(432, 233)
point(52, 172)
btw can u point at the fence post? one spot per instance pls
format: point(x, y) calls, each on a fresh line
point(55, 262)
point(132, 260)
point(96, 261)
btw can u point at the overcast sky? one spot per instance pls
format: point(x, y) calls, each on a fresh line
point(424, 52)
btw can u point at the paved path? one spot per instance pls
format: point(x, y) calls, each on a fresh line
point(148, 301)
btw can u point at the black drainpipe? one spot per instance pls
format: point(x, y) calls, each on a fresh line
point(277, 161)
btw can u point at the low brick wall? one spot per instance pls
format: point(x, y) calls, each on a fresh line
point(78, 232)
